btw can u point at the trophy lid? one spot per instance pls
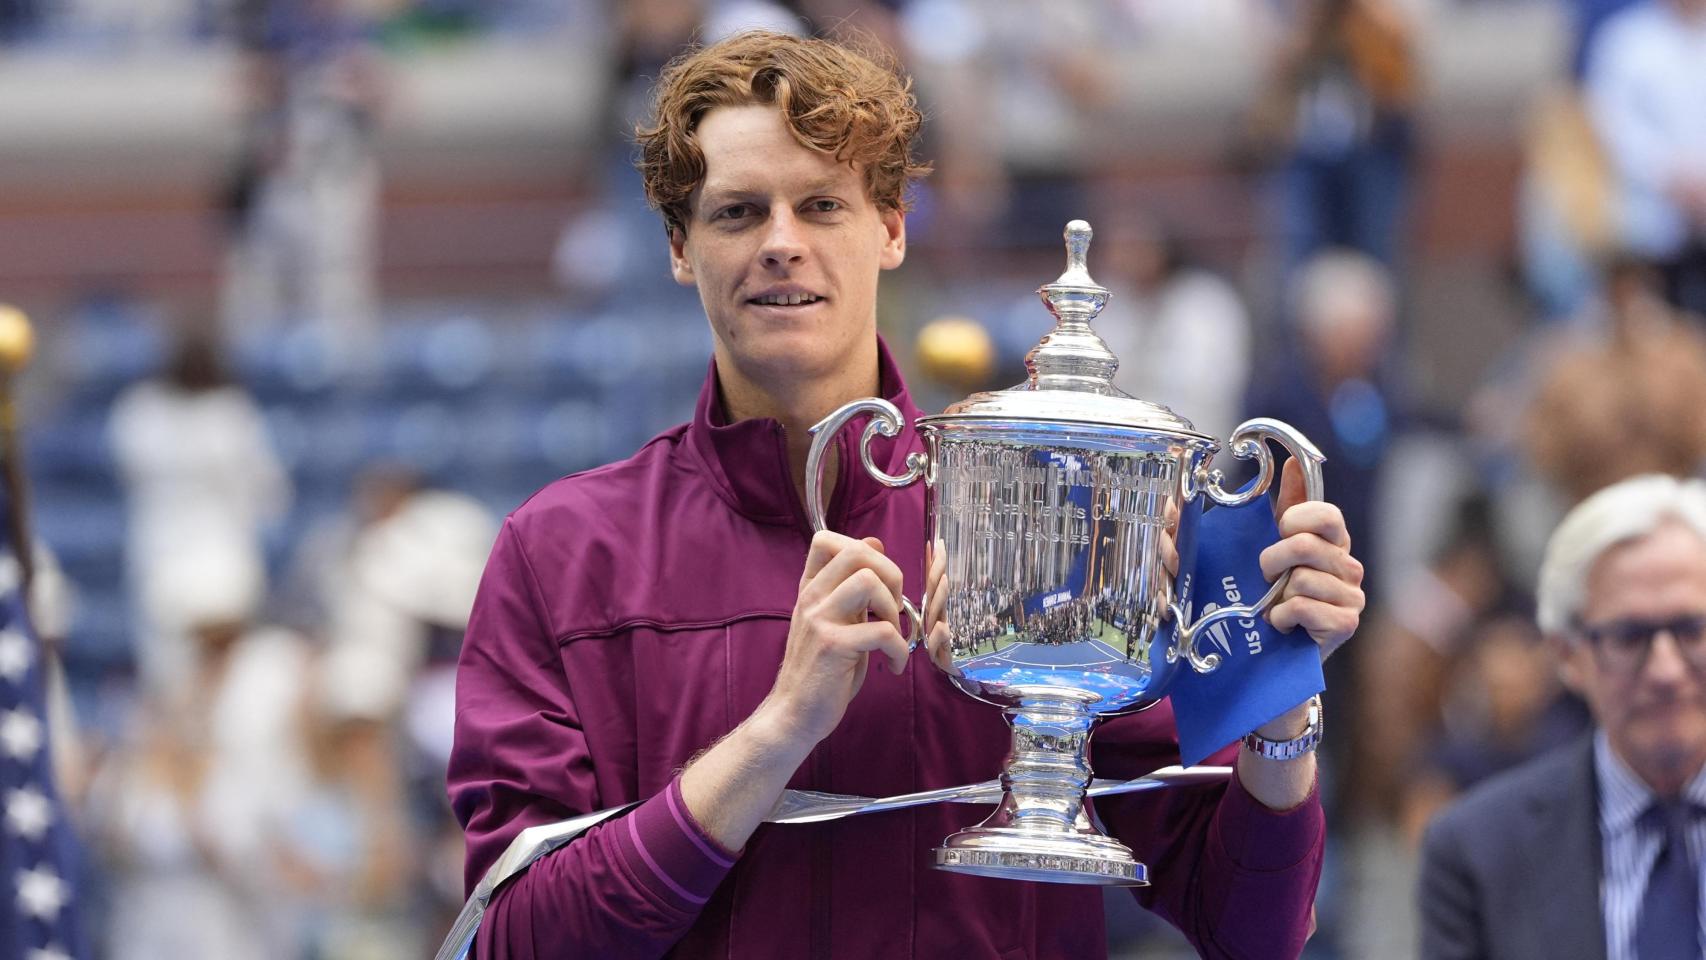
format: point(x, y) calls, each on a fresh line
point(1071, 368)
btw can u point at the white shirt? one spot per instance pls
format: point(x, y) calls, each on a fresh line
point(1629, 850)
point(1646, 93)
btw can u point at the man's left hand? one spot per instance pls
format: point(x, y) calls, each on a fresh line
point(1324, 595)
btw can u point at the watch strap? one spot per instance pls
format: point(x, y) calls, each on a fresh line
point(1297, 746)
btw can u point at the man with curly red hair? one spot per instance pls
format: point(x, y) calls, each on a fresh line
point(667, 631)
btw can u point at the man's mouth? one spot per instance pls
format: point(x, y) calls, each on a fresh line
point(785, 299)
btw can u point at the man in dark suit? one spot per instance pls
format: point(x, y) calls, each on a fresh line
point(1593, 852)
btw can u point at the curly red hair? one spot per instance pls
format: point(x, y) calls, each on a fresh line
point(852, 104)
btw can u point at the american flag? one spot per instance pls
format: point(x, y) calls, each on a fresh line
point(38, 853)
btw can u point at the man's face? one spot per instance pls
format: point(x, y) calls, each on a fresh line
point(785, 248)
point(1653, 708)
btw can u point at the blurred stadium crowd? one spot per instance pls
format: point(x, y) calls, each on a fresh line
point(1462, 245)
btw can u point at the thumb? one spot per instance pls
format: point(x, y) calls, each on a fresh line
point(1291, 487)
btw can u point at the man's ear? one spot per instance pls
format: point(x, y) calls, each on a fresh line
point(894, 238)
point(1567, 653)
point(679, 266)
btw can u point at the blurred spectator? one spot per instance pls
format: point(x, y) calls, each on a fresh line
point(304, 199)
point(350, 850)
point(1629, 398)
point(319, 567)
point(395, 580)
point(194, 808)
point(1502, 705)
point(1334, 384)
point(1421, 632)
point(1181, 332)
point(203, 483)
point(1338, 123)
point(614, 246)
point(1645, 86)
point(1564, 208)
point(400, 598)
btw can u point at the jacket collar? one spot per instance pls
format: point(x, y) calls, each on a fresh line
point(747, 461)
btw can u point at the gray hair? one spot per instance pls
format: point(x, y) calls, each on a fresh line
point(1338, 281)
point(1621, 512)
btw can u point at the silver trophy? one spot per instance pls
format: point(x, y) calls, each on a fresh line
point(1057, 511)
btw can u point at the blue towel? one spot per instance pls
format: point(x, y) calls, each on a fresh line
point(1263, 673)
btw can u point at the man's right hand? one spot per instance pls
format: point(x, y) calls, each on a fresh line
point(848, 610)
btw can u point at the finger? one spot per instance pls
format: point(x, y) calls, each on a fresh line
point(826, 546)
point(860, 595)
point(875, 639)
point(1291, 491)
point(1317, 585)
point(1328, 625)
point(1169, 552)
point(1309, 550)
point(1318, 517)
point(855, 555)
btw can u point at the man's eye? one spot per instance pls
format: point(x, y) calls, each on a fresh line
point(824, 206)
point(733, 211)
point(1629, 638)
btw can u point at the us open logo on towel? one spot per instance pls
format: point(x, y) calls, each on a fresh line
point(1249, 632)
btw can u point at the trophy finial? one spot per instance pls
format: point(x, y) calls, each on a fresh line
point(1072, 356)
point(1078, 234)
point(17, 340)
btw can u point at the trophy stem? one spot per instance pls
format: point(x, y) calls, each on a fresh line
point(1041, 830)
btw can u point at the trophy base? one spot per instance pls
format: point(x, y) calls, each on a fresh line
point(1017, 854)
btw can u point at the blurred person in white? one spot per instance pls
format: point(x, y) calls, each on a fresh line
point(201, 478)
point(1182, 333)
point(1627, 397)
point(1615, 823)
point(402, 590)
point(1646, 84)
point(304, 200)
point(190, 813)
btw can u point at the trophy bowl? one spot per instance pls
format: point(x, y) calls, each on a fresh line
point(1057, 514)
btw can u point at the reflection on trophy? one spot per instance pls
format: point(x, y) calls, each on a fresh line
point(1058, 511)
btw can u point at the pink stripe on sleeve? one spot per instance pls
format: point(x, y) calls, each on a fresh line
point(657, 871)
point(689, 826)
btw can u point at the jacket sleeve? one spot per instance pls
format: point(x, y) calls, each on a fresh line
point(1236, 878)
point(630, 887)
point(1448, 903)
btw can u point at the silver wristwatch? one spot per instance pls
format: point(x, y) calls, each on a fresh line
point(1297, 746)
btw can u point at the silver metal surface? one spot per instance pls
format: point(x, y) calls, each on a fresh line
point(1056, 514)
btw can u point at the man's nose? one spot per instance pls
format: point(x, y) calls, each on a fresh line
point(1665, 659)
point(784, 245)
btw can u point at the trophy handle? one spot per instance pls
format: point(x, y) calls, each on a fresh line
point(1250, 441)
point(885, 420)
